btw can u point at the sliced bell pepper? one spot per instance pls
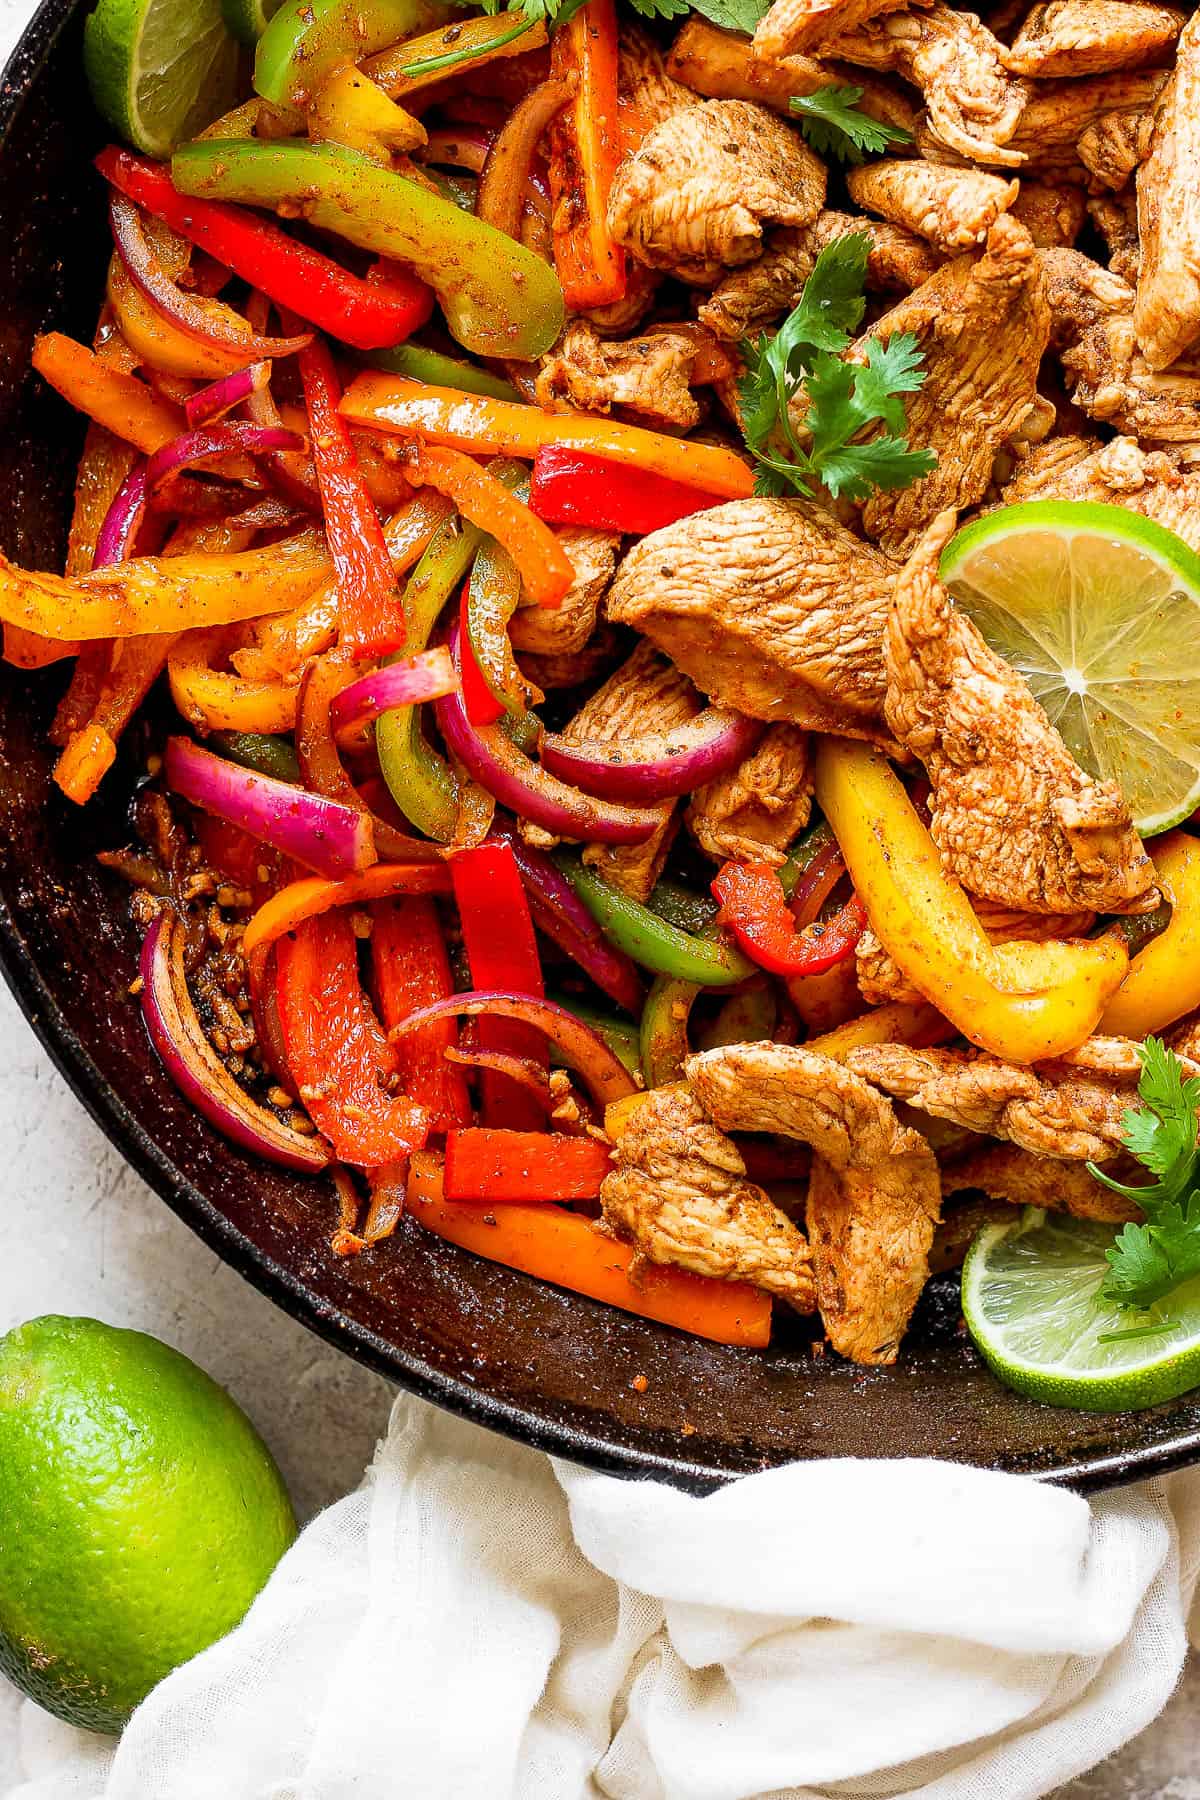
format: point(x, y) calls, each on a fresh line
point(747, 1017)
point(663, 1036)
point(118, 401)
point(544, 566)
point(499, 299)
point(482, 706)
point(216, 700)
point(367, 314)
point(486, 1164)
point(407, 67)
point(270, 755)
point(570, 487)
point(1163, 982)
point(134, 667)
point(478, 424)
point(421, 364)
point(754, 909)
point(157, 343)
point(585, 149)
point(489, 601)
point(897, 1023)
point(350, 109)
point(650, 939)
point(411, 969)
point(572, 1251)
point(502, 952)
point(337, 1052)
point(306, 39)
point(311, 896)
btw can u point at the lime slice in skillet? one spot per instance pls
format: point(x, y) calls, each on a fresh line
point(248, 19)
point(1099, 609)
point(160, 70)
point(1031, 1298)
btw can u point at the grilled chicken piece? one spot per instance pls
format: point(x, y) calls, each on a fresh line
point(1115, 218)
point(1006, 1172)
point(1052, 215)
point(1184, 1038)
point(897, 261)
point(620, 317)
point(1039, 467)
point(645, 375)
point(753, 813)
point(1059, 113)
point(1166, 314)
point(973, 104)
point(1092, 37)
point(771, 607)
point(874, 1192)
point(646, 90)
point(563, 629)
point(953, 208)
point(982, 324)
point(808, 25)
point(694, 197)
point(1115, 147)
point(1014, 816)
point(679, 1192)
point(571, 668)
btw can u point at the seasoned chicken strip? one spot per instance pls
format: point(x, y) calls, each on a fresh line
point(982, 324)
point(1040, 467)
point(1014, 816)
point(808, 25)
point(1058, 113)
point(678, 1190)
point(1115, 218)
point(643, 83)
point(1092, 37)
point(694, 197)
point(1166, 314)
point(1121, 473)
point(771, 607)
point(559, 630)
point(646, 375)
point(953, 208)
point(1114, 148)
point(753, 813)
point(1006, 1172)
point(1052, 215)
point(874, 1191)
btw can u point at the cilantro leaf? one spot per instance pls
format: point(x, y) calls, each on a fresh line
point(660, 9)
point(831, 122)
point(734, 15)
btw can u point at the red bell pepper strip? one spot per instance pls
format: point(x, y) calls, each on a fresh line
point(370, 611)
point(755, 910)
point(523, 1165)
point(585, 148)
point(370, 314)
point(569, 487)
point(337, 1052)
point(482, 706)
point(503, 955)
point(412, 969)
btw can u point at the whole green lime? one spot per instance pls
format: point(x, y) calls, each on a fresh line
point(140, 1513)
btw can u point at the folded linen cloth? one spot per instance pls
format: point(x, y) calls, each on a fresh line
point(478, 1622)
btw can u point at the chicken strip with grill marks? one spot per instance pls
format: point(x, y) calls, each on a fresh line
point(753, 813)
point(1014, 817)
point(874, 1193)
point(771, 607)
point(808, 25)
point(1006, 1172)
point(647, 376)
point(1166, 314)
point(1092, 37)
point(694, 197)
point(953, 208)
point(678, 1190)
point(1115, 147)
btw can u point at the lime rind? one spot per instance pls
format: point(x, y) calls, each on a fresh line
point(246, 20)
point(159, 72)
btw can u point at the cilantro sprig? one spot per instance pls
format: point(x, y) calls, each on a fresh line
point(1149, 1261)
point(833, 125)
point(842, 400)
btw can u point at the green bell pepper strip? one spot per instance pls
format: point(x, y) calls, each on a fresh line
point(802, 856)
point(679, 905)
point(651, 940)
point(420, 364)
point(744, 1018)
point(619, 1034)
point(492, 596)
point(663, 1038)
point(499, 299)
point(307, 39)
point(274, 756)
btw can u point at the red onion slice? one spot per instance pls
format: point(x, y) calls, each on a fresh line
point(118, 533)
point(426, 676)
point(220, 397)
point(227, 437)
point(582, 1049)
point(660, 765)
point(194, 1066)
point(324, 835)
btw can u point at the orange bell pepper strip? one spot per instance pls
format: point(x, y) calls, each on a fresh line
point(337, 1052)
point(82, 766)
point(411, 969)
point(585, 148)
point(135, 666)
point(487, 1165)
point(1163, 982)
point(119, 402)
point(465, 45)
point(479, 424)
point(576, 1253)
point(306, 899)
point(547, 572)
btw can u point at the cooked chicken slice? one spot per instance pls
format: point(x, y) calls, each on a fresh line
point(897, 261)
point(1059, 113)
point(808, 25)
point(1166, 314)
point(982, 325)
point(1006, 1172)
point(560, 630)
point(1052, 215)
point(973, 104)
point(753, 813)
point(694, 197)
point(1092, 37)
point(572, 668)
point(1121, 473)
point(770, 606)
point(645, 375)
point(1184, 1037)
point(1115, 147)
point(874, 1192)
point(1115, 218)
point(620, 317)
point(953, 208)
point(881, 982)
point(646, 90)
point(678, 1190)
point(1039, 467)
point(1014, 816)
point(1054, 1110)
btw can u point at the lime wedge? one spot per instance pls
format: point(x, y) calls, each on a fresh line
point(160, 70)
point(1031, 1298)
point(248, 19)
point(1099, 609)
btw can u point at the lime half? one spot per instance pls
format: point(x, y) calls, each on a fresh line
point(1032, 1301)
point(248, 19)
point(160, 70)
point(1099, 609)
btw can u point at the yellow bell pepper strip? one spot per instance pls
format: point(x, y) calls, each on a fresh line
point(304, 899)
point(118, 401)
point(157, 342)
point(1163, 982)
point(306, 39)
point(156, 594)
point(544, 566)
point(585, 149)
point(217, 700)
point(897, 1023)
point(499, 299)
point(1021, 1001)
point(478, 424)
point(349, 109)
point(421, 60)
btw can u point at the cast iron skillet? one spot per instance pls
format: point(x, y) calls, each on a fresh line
point(496, 1346)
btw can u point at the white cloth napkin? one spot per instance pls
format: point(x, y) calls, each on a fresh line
point(478, 1622)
